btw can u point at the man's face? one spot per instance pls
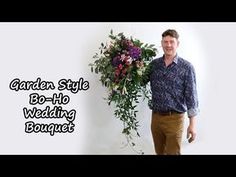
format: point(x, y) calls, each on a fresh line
point(169, 45)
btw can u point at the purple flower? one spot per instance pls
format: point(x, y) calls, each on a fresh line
point(135, 52)
point(116, 61)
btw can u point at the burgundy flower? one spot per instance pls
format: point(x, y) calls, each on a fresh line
point(127, 43)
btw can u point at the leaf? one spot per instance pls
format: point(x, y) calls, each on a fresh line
point(96, 70)
point(120, 34)
point(112, 37)
point(152, 45)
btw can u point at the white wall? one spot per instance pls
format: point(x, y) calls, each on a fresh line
point(54, 51)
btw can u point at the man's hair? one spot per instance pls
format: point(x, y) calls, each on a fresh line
point(171, 32)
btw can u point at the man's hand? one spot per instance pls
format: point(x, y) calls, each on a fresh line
point(191, 134)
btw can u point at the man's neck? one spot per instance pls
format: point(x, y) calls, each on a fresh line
point(169, 58)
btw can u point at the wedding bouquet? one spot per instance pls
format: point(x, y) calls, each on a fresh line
point(122, 64)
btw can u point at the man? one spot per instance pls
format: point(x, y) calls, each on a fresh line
point(173, 86)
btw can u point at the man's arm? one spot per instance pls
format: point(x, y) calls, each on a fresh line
point(192, 103)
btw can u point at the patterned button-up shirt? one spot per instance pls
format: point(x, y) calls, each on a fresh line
point(173, 87)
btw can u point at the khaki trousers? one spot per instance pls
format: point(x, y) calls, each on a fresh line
point(167, 133)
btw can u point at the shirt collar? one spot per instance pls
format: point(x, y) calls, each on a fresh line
point(175, 58)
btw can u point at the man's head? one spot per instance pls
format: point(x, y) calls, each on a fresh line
point(170, 32)
point(170, 42)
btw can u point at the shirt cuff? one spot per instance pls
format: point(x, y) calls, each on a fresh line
point(192, 112)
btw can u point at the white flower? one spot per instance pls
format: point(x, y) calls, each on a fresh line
point(140, 72)
point(115, 87)
point(124, 91)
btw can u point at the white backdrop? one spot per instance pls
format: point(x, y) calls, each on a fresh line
point(54, 51)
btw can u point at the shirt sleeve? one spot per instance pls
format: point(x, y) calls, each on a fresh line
point(191, 96)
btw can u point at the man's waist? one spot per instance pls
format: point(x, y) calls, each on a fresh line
point(168, 113)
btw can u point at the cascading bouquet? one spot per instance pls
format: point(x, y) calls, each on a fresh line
point(122, 65)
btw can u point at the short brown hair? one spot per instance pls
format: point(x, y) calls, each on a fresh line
point(171, 32)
